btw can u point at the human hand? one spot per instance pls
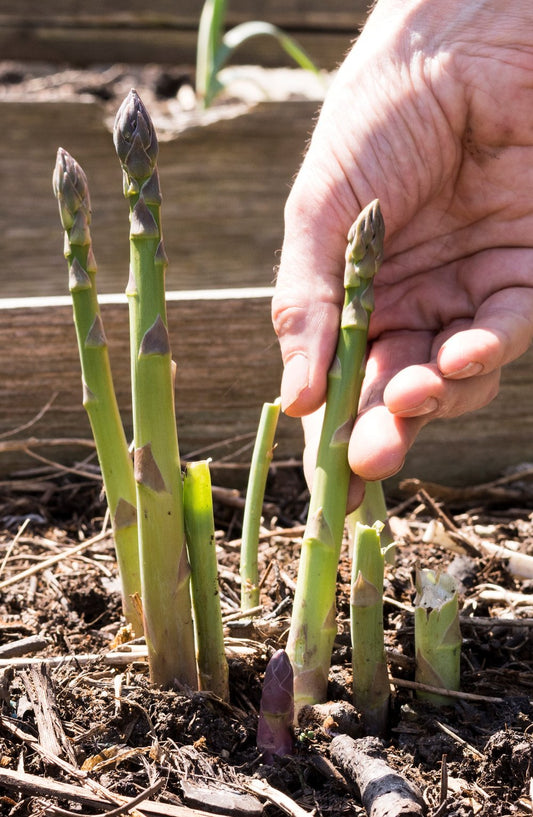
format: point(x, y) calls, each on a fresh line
point(432, 113)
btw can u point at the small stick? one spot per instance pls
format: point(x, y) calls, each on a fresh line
point(296, 531)
point(450, 693)
point(459, 740)
point(55, 811)
point(111, 659)
point(491, 592)
point(384, 792)
point(278, 798)
point(53, 442)
point(41, 693)
point(38, 786)
point(65, 554)
point(13, 543)
point(478, 622)
point(238, 614)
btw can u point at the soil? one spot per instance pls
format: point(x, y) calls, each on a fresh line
point(167, 92)
point(473, 757)
point(70, 713)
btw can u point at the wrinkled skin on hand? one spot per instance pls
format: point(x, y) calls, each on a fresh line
point(432, 113)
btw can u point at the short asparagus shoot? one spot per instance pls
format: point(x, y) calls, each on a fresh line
point(372, 509)
point(276, 713)
point(200, 530)
point(437, 634)
point(371, 687)
point(253, 508)
point(164, 567)
point(99, 399)
point(313, 626)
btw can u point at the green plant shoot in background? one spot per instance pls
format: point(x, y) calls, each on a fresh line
point(215, 48)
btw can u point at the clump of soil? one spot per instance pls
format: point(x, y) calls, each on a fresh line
point(69, 709)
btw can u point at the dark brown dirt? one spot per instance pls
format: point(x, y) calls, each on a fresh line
point(126, 733)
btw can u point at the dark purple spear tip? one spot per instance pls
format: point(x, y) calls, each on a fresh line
point(135, 138)
point(276, 714)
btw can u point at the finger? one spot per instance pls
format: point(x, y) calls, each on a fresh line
point(422, 391)
point(389, 354)
point(380, 442)
point(501, 331)
point(381, 437)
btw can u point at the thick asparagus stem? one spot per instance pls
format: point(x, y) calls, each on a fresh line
point(313, 625)
point(437, 634)
point(164, 567)
point(71, 189)
point(371, 688)
point(200, 530)
point(261, 459)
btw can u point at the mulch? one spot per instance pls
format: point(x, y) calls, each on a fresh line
point(81, 729)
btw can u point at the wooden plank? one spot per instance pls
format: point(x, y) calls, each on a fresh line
point(228, 365)
point(336, 14)
point(224, 345)
point(224, 187)
point(165, 46)
point(165, 31)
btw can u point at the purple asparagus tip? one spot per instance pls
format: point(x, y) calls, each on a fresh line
point(135, 138)
point(276, 714)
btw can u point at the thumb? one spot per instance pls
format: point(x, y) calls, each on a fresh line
point(307, 301)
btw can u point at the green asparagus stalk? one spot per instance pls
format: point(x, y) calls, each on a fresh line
point(371, 688)
point(200, 530)
point(313, 625)
point(261, 459)
point(437, 634)
point(372, 509)
point(164, 566)
point(72, 192)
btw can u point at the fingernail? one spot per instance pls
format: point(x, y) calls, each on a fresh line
point(429, 405)
point(294, 381)
point(470, 370)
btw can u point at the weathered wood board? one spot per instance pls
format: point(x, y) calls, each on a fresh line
point(227, 358)
point(164, 31)
point(228, 365)
point(224, 188)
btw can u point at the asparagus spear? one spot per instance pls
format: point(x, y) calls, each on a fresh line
point(437, 634)
point(200, 529)
point(276, 713)
point(371, 688)
point(313, 625)
point(72, 192)
point(261, 459)
point(164, 567)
